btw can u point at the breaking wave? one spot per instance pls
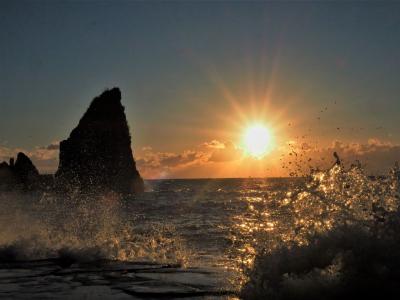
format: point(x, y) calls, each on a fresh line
point(82, 229)
point(339, 239)
point(332, 235)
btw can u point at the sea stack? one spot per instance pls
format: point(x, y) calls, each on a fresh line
point(97, 157)
point(26, 171)
point(19, 176)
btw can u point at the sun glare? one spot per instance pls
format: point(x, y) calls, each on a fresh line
point(257, 140)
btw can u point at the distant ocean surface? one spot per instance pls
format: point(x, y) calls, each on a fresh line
point(214, 217)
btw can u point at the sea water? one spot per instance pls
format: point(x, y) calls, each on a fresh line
point(203, 238)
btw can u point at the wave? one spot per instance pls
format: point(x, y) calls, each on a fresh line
point(341, 240)
point(82, 229)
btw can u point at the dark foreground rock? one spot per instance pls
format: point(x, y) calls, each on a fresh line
point(97, 156)
point(47, 279)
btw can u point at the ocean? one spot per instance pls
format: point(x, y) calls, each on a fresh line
point(200, 238)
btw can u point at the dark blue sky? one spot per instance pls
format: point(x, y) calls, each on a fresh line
point(169, 59)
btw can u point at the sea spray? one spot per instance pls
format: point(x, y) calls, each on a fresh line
point(339, 238)
point(228, 224)
point(83, 228)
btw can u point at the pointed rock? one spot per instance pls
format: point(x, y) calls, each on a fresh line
point(97, 156)
point(26, 171)
point(19, 176)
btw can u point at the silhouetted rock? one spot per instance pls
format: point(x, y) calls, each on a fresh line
point(12, 162)
point(26, 171)
point(97, 156)
point(21, 175)
point(8, 179)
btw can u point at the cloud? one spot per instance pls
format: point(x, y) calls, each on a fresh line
point(6, 153)
point(52, 146)
point(224, 159)
point(214, 144)
point(45, 158)
point(153, 164)
point(229, 152)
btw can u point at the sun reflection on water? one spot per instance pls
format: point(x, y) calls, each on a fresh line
point(291, 215)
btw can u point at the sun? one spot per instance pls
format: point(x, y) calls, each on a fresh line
point(257, 140)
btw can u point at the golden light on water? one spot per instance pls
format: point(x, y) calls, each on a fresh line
point(257, 140)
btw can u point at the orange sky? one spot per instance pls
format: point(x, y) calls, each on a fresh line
point(211, 143)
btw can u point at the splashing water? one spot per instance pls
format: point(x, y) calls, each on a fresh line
point(92, 248)
point(336, 235)
point(275, 237)
point(83, 228)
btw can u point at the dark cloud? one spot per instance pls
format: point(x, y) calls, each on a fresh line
point(165, 162)
point(53, 147)
point(153, 163)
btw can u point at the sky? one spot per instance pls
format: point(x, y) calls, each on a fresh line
point(321, 76)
